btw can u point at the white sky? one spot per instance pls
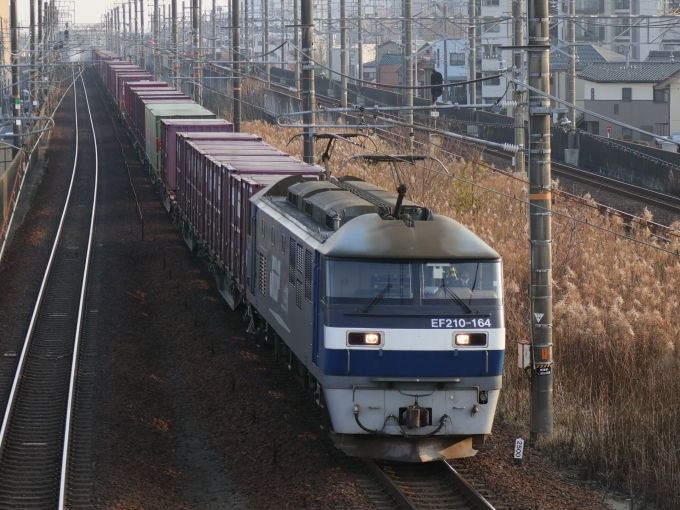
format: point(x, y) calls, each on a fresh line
point(87, 11)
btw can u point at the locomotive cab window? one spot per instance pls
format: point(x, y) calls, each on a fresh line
point(362, 282)
point(474, 283)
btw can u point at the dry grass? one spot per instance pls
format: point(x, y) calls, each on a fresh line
point(616, 384)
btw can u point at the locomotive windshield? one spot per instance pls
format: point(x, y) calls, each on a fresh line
point(438, 284)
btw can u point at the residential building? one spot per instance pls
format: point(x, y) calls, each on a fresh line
point(450, 58)
point(645, 95)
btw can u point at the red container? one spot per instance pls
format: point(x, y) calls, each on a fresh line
point(127, 93)
point(114, 69)
point(132, 89)
point(123, 78)
point(169, 130)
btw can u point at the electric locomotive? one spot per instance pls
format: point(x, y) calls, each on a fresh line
point(394, 313)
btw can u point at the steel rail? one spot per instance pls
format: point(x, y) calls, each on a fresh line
point(79, 320)
point(32, 412)
point(467, 495)
point(43, 286)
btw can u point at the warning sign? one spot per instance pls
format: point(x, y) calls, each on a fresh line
point(543, 368)
point(538, 316)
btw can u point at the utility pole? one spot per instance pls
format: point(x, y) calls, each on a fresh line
point(518, 71)
point(284, 47)
point(142, 60)
point(175, 45)
point(540, 221)
point(136, 34)
point(196, 19)
point(296, 37)
point(472, 41)
point(33, 74)
point(236, 58)
point(265, 42)
point(407, 66)
point(308, 95)
point(330, 39)
point(343, 54)
point(446, 61)
point(360, 43)
point(16, 93)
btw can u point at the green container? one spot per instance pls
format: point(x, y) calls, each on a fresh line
point(152, 118)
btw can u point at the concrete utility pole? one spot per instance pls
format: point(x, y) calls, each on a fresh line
point(196, 40)
point(175, 45)
point(33, 74)
point(518, 71)
point(343, 53)
point(360, 42)
point(407, 65)
point(472, 41)
point(331, 40)
point(296, 37)
point(265, 42)
point(283, 34)
point(236, 58)
point(16, 93)
point(540, 183)
point(142, 60)
point(308, 94)
point(446, 61)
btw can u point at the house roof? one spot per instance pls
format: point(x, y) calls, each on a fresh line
point(634, 72)
point(586, 54)
point(390, 60)
point(663, 56)
point(370, 64)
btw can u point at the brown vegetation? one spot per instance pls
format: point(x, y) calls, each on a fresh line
point(616, 384)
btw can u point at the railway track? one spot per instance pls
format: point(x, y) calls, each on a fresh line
point(36, 436)
point(428, 486)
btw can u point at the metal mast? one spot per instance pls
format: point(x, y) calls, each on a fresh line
point(16, 93)
point(33, 74)
point(472, 41)
point(308, 94)
point(360, 42)
point(175, 45)
point(196, 39)
point(407, 66)
point(343, 53)
point(142, 59)
point(296, 37)
point(518, 71)
point(236, 58)
point(265, 42)
point(540, 221)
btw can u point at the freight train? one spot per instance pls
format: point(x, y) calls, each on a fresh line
point(391, 315)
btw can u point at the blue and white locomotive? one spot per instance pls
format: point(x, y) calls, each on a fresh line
point(393, 315)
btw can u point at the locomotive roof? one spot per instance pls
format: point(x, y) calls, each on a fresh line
point(370, 237)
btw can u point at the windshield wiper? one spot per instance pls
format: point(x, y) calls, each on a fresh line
point(455, 298)
point(378, 298)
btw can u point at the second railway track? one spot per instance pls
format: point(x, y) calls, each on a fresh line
point(35, 433)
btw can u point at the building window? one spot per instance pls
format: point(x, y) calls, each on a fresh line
point(616, 109)
point(492, 81)
point(490, 2)
point(592, 94)
point(627, 134)
point(627, 94)
point(457, 59)
point(622, 27)
point(622, 4)
point(661, 95)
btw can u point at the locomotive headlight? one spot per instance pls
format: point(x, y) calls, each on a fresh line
point(364, 338)
point(470, 339)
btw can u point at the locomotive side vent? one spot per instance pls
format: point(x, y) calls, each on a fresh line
point(308, 275)
point(298, 294)
point(291, 262)
point(263, 274)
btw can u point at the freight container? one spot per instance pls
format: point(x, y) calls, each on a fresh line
point(122, 79)
point(144, 97)
point(131, 93)
point(127, 93)
point(152, 126)
point(169, 130)
point(112, 71)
